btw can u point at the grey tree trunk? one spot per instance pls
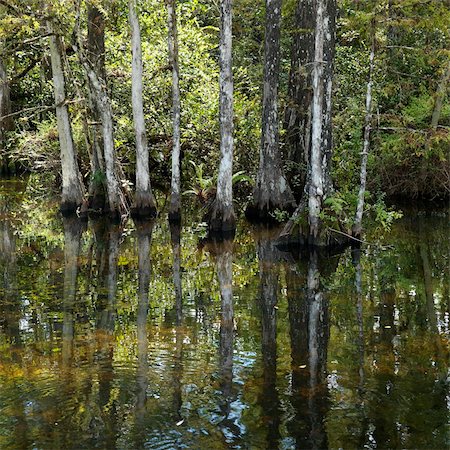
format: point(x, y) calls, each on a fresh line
point(72, 186)
point(316, 184)
point(144, 202)
point(357, 226)
point(272, 190)
point(439, 97)
point(96, 56)
point(297, 121)
point(175, 194)
point(223, 218)
point(328, 68)
point(116, 205)
point(6, 123)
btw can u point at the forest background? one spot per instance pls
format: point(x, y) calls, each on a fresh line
point(410, 140)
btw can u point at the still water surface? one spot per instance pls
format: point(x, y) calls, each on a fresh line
point(147, 337)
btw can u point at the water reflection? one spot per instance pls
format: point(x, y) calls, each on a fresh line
point(269, 258)
point(223, 252)
point(144, 231)
point(310, 330)
point(175, 238)
point(104, 346)
point(73, 229)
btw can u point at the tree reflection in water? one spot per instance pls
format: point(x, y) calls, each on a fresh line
point(309, 332)
point(73, 228)
point(223, 252)
point(107, 239)
point(10, 303)
point(144, 231)
point(78, 368)
point(175, 236)
point(269, 258)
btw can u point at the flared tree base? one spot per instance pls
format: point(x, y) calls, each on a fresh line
point(144, 206)
point(175, 217)
point(269, 214)
point(326, 240)
point(175, 209)
point(222, 220)
point(69, 208)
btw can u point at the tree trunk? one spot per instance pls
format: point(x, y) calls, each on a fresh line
point(272, 190)
point(316, 185)
point(115, 205)
point(328, 67)
point(96, 56)
point(439, 97)
point(297, 121)
point(7, 123)
point(318, 182)
point(144, 202)
point(223, 218)
point(175, 195)
point(72, 186)
point(357, 227)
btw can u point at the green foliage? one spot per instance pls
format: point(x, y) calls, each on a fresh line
point(383, 215)
point(280, 215)
point(205, 187)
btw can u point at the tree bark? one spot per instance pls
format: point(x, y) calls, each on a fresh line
point(316, 185)
point(175, 194)
point(318, 153)
point(357, 227)
point(144, 202)
point(7, 123)
point(328, 68)
point(223, 218)
point(272, 190)
point(101, 98)
point(297, 121)
point(72, 186)
point(439, 97)
point(96, 56)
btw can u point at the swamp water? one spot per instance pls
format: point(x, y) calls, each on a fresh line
point(147, 337)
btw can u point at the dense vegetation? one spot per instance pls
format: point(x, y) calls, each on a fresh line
point(410, 125)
